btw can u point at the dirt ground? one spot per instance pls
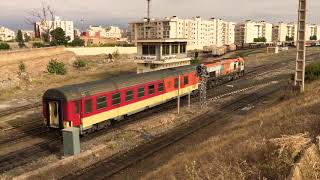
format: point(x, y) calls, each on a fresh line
point(98, 68)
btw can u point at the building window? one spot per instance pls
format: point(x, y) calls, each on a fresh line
point(176, 83)
point(161, 87)
point(129, 96)
point(174, 49)
point(165, 49)
point(116, 99)
point(151, 89)
point(186, 80)
point(149, 50)
point(88, 106)
point(141, 92)
point(101, 102)
point(183, 48)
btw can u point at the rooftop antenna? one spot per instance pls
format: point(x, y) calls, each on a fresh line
point(148, 10)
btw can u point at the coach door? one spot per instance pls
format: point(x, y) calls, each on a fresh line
point(54, 113)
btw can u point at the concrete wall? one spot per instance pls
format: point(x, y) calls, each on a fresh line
point(87, 51)
point(15, 56)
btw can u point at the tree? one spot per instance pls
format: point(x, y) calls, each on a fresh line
point(314, 37)
point(45, 16)
point(19, 39)
point(77, 42)
point(289, 38)
point(58, 37)
point(27, 38)
point(260, 39)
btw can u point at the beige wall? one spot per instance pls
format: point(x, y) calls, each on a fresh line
point(14, 56)
point(90, 51)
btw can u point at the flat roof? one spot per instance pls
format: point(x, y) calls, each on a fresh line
point(161, 40)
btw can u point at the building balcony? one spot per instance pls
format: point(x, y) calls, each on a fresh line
point(162, 60)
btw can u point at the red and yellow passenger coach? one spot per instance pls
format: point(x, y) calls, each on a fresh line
point(95, 105)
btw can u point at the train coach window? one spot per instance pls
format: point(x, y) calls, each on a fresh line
point(160, 87)
point(101, 102)
point(129, 96)
point(151, 89)
point(88, 106)
point(116, 99)
point(186, 80)
point(176, 83)
point(141, 92)
point(76, 107)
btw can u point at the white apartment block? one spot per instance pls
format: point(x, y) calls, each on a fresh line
point(313, 30)
point(197, 32)
point(67, 26)
point(6, 34)
point(112, 32)
point(249, 31)
point(283, 32)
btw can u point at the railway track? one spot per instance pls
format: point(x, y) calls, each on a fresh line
point(26, 155)
point(121, 161)
point(19, 109)
point(29, 154)
point(20, 136)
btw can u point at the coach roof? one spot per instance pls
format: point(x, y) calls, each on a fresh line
point(76, 91)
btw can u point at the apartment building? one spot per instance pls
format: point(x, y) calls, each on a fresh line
point(253, 32)
point(6, 34)
point(313, 32)
point(283, 32)
point(196, 31)
point(111, 32)
point(42, 27)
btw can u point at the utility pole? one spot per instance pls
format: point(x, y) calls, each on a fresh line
point(203, 75)
point(301, 46)
point(149, 10)
point(179, 82)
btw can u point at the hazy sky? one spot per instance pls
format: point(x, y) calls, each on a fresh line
point(120, 12)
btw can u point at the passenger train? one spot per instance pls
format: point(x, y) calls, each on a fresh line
point(95, 105)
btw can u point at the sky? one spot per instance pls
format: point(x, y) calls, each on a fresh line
point(119, 12)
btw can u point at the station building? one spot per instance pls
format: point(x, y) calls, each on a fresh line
point(157, 54)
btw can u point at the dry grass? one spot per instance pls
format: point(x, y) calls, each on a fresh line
point(98, 68)
point(261, 145)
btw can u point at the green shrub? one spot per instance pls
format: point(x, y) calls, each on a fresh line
point(77, 42)
point(22, 67)
point(38, 45)
point(195, 61)
point(80, 63)
point(260, 39)
point(4, 46)
point(55, 67)
point(313, 71)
